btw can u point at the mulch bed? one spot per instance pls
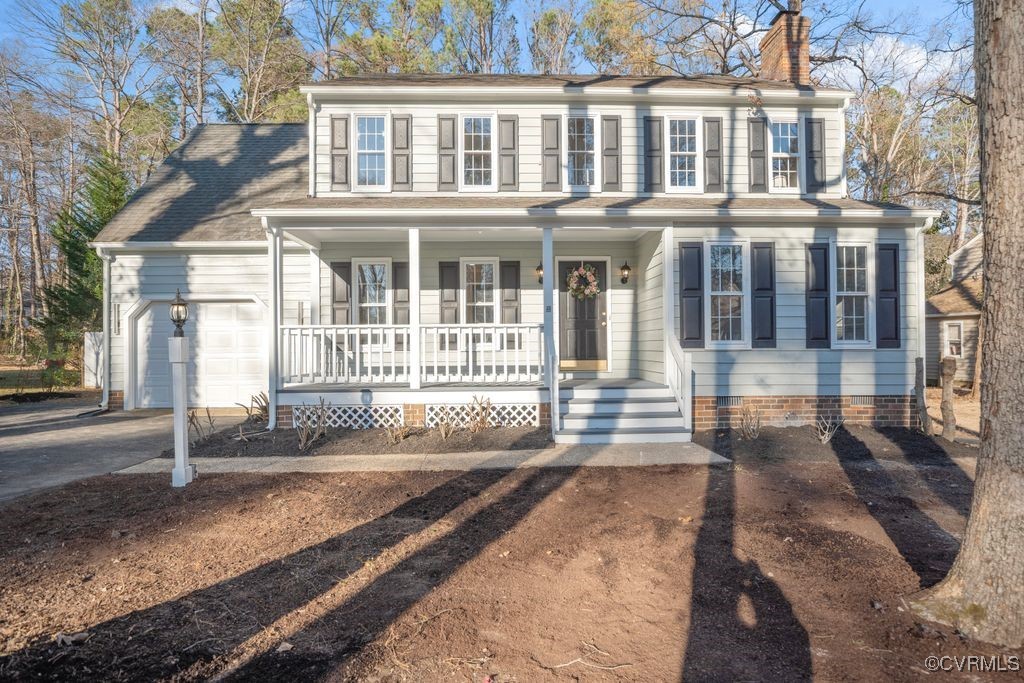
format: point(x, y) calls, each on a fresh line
point(226, 444)
point(786, 564)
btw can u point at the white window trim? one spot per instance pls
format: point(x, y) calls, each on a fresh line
point(699, 119)
point(581, 189)
point(462, 287)
point(833, 278)
point(801, 154)
point(747, 329)
point(389, 292)
point(354, 145)
point(945, 338)
point(461, 132)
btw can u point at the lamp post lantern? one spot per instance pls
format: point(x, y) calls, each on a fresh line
point(183, 472)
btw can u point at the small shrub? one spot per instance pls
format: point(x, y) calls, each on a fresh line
point(750, 423)
point(479, 415)
point(826, 427)
point(195, 424)
point(312, 427)
point(395, 435)
point(445, 424)
point(258, 409)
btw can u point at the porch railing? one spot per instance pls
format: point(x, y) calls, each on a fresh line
point(382, 354)
point(344, 354)
point(679, 374)
point(481, 354)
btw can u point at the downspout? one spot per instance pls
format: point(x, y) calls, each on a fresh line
point(272, 267)
point(312, 143)
point(921, 308)
point(107, 259)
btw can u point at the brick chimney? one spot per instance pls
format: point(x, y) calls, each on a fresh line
point(785, 49)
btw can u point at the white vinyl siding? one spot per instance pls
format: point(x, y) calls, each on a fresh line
point(791, 368)
point(424, 140)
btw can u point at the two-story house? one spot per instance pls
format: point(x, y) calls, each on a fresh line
point(954, 313)
point(621, 258)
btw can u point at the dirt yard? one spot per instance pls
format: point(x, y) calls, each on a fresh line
point(967, 411)
point(787, 564)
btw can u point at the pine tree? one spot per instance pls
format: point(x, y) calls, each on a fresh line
point(75, 299)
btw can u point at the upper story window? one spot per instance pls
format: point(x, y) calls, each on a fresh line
point(479, 277)
point(581, 146)
point(683, 154)
point(371, 152)
point(852, 300)
point(727, 294)
point(478, 153)
point(785, 160)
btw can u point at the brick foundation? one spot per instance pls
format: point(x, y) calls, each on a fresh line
point(785, 411)
point(414, 414)
point(544, 415)
point(284, 417)
point(115, 401)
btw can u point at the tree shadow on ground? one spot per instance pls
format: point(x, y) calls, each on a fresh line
point(742, 627)
point(931, 456)
point(193, 633)
point(896, 512)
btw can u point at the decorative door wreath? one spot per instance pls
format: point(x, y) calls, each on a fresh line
point(582, 282)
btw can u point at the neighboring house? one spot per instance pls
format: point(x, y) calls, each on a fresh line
point(954, 314)
point(409, 250)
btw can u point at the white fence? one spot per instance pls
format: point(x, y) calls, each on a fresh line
point(481, 354)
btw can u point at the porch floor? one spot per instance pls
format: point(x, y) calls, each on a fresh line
point(599, 383)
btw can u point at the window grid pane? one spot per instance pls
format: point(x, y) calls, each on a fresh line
point(370, 151)
point(372, 288)
point(476, 155)
point(682, 146)
point(479, 292)
point(726, 292)
point(581, 151)
point(785, 155)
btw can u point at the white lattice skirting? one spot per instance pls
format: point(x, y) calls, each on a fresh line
point(502, 415)
point(353, 417)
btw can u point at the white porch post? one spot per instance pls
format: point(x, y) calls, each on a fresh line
point(550, 276)
point(414, 308)
point(314, 286)
point(668, 293)
point(274, 267)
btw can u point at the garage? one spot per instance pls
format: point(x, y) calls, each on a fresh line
point(227, 343)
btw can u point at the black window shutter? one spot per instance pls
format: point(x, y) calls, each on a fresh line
point(339, 153)
point(448, 284)
point(447, 146)
point(691, 295)
point(654, 180)
point(551, 153)
point(401, 153)
point(819, 322)
point(400, 273)
point(509, 292)
point(815, 144)
point(508, 153)
point(757, 148)
point(611, 153)
point(762, 292)
point(713, 176)
point(887, 296)
point(342, 296)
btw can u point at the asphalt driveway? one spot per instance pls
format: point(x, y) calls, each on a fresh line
point(45, 444)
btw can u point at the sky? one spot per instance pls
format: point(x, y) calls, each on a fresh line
point(927, 12)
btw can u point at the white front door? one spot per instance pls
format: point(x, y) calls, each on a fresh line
point(227, 347)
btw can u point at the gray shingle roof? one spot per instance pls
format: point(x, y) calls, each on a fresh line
point(207, 187)
point(564, 81)
point(960, 298)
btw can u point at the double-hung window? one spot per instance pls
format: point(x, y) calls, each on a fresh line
point(683, 154)
point(479, 290)
point(373, 291)
point(478, 172)
point(784, 174)
point(371, 152)
point(581, 152)
point(955, 340)
point(852, 302)
point(728, 288)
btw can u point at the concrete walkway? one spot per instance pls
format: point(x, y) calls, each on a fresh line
point(618, 455)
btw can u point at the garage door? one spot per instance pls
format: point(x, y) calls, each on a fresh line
point(227, 348)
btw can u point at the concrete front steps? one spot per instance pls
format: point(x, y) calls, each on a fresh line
point(629, 411)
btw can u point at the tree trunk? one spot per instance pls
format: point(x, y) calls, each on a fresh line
point(983, 595)
point(948, 371)
point(976, 378)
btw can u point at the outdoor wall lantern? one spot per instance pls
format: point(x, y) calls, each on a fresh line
point(624, 271)
point(179, 314)
point(540, 273)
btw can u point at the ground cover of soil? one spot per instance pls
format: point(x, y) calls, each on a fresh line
point(259, 443)
point(793, 561)
point(966, 410)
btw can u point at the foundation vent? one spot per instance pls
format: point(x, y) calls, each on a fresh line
point(862, 400)
point(730, 401)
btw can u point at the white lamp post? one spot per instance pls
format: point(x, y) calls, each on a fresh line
point(182, 473)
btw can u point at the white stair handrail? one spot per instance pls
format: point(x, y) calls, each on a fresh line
point(680, 379)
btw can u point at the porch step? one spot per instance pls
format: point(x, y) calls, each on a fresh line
point(612, 406)
point(598, 393)
point(631, 435)
point(622, 420)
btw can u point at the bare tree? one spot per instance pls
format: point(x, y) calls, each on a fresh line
point(983, 594)
point(324, 25)
point(181, 47)
point(553, 37)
